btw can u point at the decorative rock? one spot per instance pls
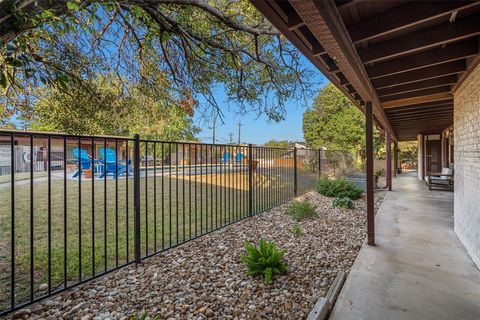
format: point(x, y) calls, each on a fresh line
point(22, 313)
point(43, 287)
point(205, 278)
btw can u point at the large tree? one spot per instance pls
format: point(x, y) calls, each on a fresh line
point(197, 45)
point(335, 123)
point(152, 116)
point(279, 143)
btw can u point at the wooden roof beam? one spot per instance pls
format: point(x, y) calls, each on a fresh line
point(439, 123)
point(412, 94)
point(442, 117)
point(432, 72)
point(440, 114)
point(422, 124)
point(419, 85)
point(325, 22)
point(415, 100)
point(393, 113)
point(403, 17)
point(422, 40)
point(461, 50)
point(418, 106)
point(423, 106)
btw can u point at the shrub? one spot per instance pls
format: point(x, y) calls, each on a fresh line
point(266, 260)
point(343, 203)
point(299, 210)
point(380, 173)
point(339, 188)
point(297, 230)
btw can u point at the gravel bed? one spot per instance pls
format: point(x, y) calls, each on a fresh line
point(206, 278)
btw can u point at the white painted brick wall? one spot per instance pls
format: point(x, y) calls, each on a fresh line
point(467, 164)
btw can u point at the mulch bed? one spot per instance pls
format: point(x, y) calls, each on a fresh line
point(206, 278)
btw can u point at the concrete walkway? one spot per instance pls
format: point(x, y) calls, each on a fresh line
point(419, 269)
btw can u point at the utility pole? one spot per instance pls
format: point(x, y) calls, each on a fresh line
point(230, 134)
point(213, 126)
point(239, 125)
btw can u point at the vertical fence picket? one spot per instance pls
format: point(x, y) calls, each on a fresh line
point(136, 198)
point(250, 179)
point(12, 231)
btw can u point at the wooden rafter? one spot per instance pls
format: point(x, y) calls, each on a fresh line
point(415, 100)
point(395, 114)
point(406, 57)
point(419, 85)
point(428, 58)
point(413, 14)
point(420, 106)
point(424, 39)
point(434, 114)
point(432, 72)
point(324, 22)
point(418, 93)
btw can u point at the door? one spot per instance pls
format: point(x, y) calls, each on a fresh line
point(434, 160)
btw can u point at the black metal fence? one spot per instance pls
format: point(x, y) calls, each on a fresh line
point(73, 208)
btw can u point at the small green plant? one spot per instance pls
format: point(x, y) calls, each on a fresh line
point(343, 203)
point(338, 188)
point(299, 210)
point(144, 316)
point(265, 260)
point(297, 230)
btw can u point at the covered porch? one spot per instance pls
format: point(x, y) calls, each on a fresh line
point(413, 68)
point(419, 269)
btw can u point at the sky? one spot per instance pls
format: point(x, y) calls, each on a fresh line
point(259, 130)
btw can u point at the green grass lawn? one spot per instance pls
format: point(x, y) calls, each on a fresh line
point(179, 210)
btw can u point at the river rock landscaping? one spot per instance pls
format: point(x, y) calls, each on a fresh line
point(206, 278)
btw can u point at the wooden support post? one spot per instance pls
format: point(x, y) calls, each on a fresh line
point(388, 159)
point(395, 158)
point(369, 154)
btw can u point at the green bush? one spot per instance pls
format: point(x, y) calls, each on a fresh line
point(297, 230)
point(380, 173)
point(266, 260)
point(343, 203)
point(299, 210)
point(339, 188)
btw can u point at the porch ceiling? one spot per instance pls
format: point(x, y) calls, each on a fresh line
point(406, 57)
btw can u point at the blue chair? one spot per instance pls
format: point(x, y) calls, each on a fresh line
point(84, 161)
point(240, 157)
point(111, 164)
point(226, 157)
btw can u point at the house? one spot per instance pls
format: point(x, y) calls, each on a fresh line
point(413, 68)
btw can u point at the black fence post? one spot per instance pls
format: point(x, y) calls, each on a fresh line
point(319, 163)
point(136, 196)
point(295, 171)
point(250, 179)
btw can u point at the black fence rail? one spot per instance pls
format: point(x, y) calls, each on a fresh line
point(73, 208)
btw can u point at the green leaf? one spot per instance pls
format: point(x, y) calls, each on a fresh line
point(3, 80)
point(72, 6)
